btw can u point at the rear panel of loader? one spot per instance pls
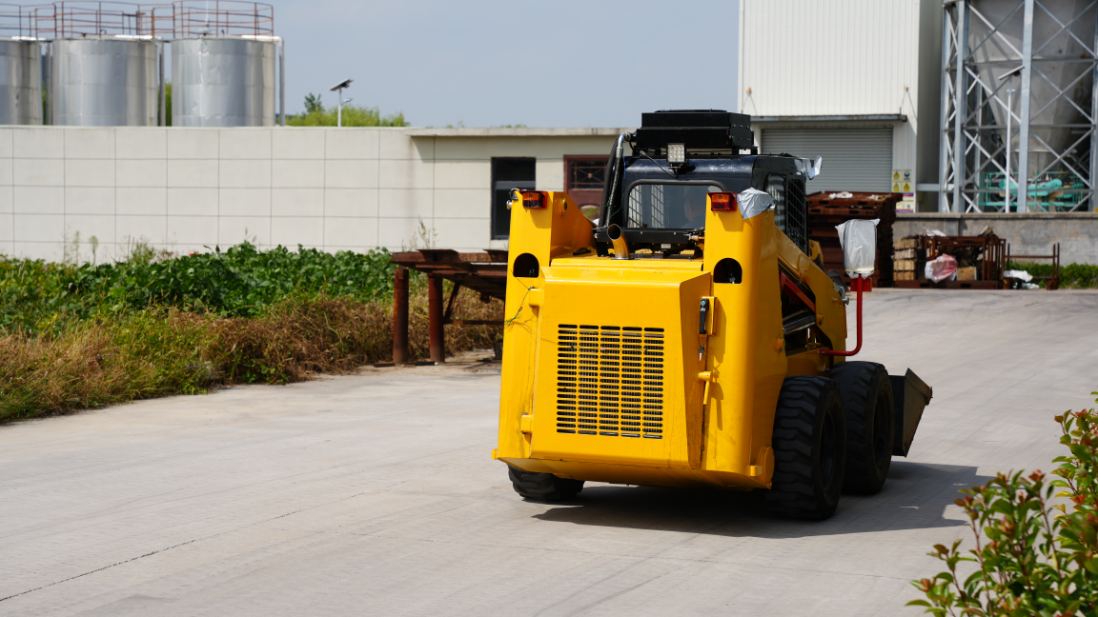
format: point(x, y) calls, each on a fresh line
point(616, 376)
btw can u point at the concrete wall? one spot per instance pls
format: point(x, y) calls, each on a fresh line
point(1032, 234)
point(189, 189)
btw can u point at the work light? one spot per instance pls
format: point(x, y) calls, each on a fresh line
point(676, 154)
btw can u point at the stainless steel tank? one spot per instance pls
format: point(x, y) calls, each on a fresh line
point(227, 81)
point(1000, 58)
point(107, 81)
point(20, 82)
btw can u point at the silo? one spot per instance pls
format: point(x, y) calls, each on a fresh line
point(1019, 106)
point(104, 81)
point(223, 81)
point(20, 82)
point(1061, 92)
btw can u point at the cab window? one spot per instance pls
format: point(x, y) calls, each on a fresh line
point(667, 205)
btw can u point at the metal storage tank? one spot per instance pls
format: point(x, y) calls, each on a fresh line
point(104, 81)
point(224, 81)
point(20, 82)
point(1068, 33)
point(1019, 106)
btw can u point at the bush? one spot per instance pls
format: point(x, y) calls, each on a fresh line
point(40, 297)
point(1072, 276)
point(1036, 539)
point(158, 351)
point(74, 337)
point(352, 116)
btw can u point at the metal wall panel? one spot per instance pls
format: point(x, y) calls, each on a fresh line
point(20, 82)
point(829, 57)
point(854, 159)
point(223, 82)
point(109, 81)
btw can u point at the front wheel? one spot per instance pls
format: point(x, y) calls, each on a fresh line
point(545, 487)
point(809, 449)
point(866, 393)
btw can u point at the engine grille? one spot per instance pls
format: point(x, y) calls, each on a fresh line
point(610, 381)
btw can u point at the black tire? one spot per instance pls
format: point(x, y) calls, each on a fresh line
point(866, 393)
point(809, 449)
point(546, 487)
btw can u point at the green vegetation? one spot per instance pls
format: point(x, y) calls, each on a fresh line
point(40, 297)
point(1036, 539)
point(353, 115)
point(74, 337)
point(1072, 276)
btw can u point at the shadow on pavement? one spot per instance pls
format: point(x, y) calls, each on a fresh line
point(915, 497)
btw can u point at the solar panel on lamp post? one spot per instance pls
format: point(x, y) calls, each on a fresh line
point(338, 89)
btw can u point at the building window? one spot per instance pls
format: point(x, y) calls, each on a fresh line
point(584, 178)
point(587, 173)
point(507, 174)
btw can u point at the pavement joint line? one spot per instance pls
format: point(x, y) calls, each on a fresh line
point(106, 567)
point(178, 545)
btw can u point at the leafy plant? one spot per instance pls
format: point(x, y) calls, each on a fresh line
point(79, 336)
point(313, 103)
point(353, 115)
point(1077, 276)
point(40, 297)
point(1036, 539)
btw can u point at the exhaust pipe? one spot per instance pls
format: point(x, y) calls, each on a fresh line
point(617, 240)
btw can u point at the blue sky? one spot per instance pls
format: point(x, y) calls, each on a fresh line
point(493, 62)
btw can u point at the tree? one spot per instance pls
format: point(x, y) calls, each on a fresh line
point(353, 115)
point(313, 103)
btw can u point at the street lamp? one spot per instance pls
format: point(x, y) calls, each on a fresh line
point(338, 89)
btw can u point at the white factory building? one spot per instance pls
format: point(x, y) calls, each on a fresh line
point(838, 80)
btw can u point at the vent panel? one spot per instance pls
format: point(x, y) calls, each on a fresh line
point(610, 381)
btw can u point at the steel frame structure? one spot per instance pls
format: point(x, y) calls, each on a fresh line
point(972, 146)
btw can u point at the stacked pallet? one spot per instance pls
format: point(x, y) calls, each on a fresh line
point(828, 209)
point(905, 259)
point(979, 260)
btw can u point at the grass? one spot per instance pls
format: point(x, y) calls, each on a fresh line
point(77, 337)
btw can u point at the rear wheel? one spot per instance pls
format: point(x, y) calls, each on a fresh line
point(534, 486)
point(809, 449)
point(866, 393)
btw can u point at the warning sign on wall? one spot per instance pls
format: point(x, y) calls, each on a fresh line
point(901, 181)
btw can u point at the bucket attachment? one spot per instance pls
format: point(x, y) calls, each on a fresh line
point(910, 396)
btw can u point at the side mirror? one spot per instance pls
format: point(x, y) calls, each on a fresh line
point(859, 241)
point(816, 166)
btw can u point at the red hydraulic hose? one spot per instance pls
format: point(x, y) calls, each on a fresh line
point(858, 284)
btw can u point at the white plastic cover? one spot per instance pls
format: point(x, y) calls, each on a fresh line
point(754, 202)
point(859, 241)
point(1021, 275)
point(941, 268)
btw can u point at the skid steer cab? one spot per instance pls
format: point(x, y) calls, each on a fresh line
point(688, 335)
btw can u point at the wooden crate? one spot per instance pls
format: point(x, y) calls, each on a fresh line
point(903, 254)
point(909, 242)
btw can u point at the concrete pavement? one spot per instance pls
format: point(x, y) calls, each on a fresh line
point(374, 494)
